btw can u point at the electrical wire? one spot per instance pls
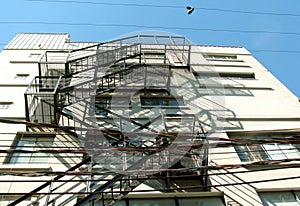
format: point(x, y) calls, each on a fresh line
point(275, 51)
point(223, 142)
point(174, 175)
point(258, 165)
point(167, 6)
point(149, 27)
point(162, 190)
point(126, 149)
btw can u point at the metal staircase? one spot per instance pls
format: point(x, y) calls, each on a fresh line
point(66, 100)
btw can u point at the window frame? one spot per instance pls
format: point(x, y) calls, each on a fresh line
point(266, 154)
point(105, 102)
point(226, 75)
point(30, 157)
point(34, 55)
point(161, 100)
point(293, 193)
point(21, 76)
point(266, 151)
point(5, 105)
point(221, 57)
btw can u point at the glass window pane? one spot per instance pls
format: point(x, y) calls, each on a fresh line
point(274, 151)
point(243, 155)
point(152, 202)
point(44, 142)
point(268, 151)
point(39, 158)
point(20, 158)
point(162, 101)
point(289, 150)
point(30, 143)
point(251, 153)
point(212, 201)
point(99, 203)
point(26, 143)
point(278, 199)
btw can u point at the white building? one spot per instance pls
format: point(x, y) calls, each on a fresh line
point(143, 120)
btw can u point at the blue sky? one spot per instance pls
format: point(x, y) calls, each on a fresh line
point(272, 37)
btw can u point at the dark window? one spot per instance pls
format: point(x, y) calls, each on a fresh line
point(225, 75)
point(105, 102)
point(220, 57)
point(5, 105)
point(152, 100)
point(21, 76)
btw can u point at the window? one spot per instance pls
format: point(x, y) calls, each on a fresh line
point(287, 198)
point(34, 55)
point(264, 152)
point(21, 76)
point(105, 102)
point(30, 143)
point(267, 151)
point(225, 75)
point(5, 105)
point(205, 201)
point(152, 202)
point(220, 57)
point(169, 100)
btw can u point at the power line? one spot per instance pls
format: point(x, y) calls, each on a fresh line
point(149, 27)
point(169, 6)
point(260, 166)
point(110, 4)
point(275, 51)
point(107, 172)
point(162, 189)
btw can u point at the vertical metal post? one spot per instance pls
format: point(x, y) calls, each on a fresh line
point(49, 193)
point(165, 57)
point(168, 181)
point(89, 177)
point(205, 163)
point(145, 81)
point(42, 110)
point(169, 80)
point(67, 68)
point(40, 69)
point(55, 105)
point(189, 58)
point(27, 110)
point(140, 54)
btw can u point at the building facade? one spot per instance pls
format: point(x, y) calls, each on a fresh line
point(143, 120)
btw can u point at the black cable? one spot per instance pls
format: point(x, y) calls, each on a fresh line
point(258, 165)
point(149, 27)
point(85, 173)
point(168, 6)
point(164, 189)
point(274, 51)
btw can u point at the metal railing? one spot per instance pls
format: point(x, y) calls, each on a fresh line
point(41, 100)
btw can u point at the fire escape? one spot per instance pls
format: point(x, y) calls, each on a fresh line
point(77, 91)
